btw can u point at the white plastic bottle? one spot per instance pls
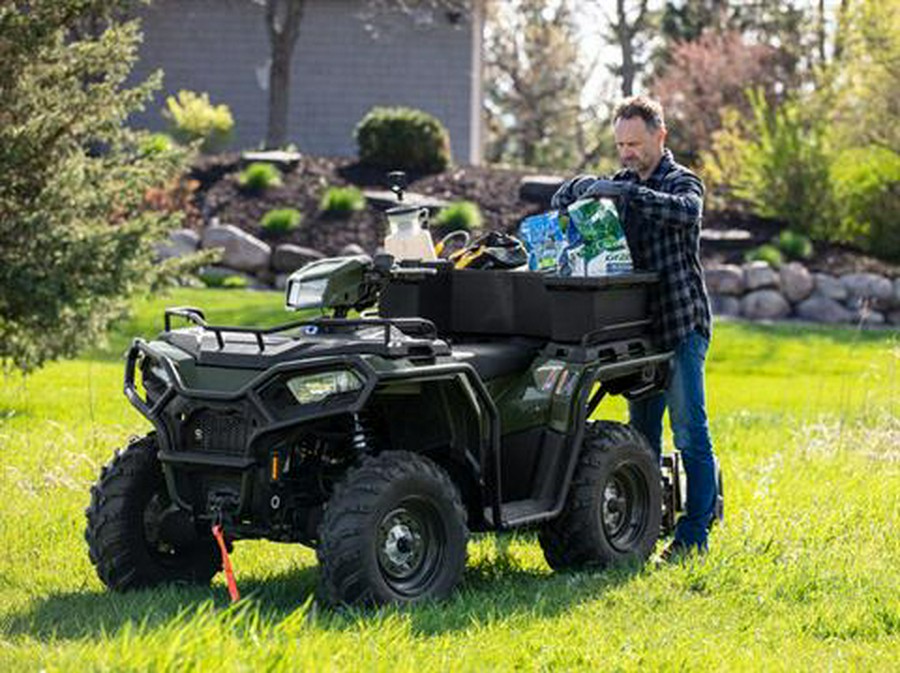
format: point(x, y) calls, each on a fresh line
point(407, 239)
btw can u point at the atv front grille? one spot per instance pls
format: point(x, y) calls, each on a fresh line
point(216, 432)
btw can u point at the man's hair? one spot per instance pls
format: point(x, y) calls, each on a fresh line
point(648, 109)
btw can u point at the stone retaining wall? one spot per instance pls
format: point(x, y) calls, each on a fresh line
point(754, 291)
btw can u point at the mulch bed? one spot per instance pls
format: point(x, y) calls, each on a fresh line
point(495, 190)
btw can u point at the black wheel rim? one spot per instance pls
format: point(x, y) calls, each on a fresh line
point(410, 543)
point(625, 507)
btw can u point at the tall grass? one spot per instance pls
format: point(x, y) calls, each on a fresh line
point(803, 575)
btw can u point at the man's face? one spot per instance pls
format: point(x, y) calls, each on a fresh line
point(640, 148)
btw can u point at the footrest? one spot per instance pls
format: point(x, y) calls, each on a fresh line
point(518, 512)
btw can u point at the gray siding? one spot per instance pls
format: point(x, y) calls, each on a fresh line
point(339, 70)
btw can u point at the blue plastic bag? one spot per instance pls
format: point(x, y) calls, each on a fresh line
point(544, 240)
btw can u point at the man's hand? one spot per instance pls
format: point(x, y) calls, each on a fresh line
point(571, 190)
point(608, 189)
point(587, 187)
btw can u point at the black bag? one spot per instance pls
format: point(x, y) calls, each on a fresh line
point(493, 250)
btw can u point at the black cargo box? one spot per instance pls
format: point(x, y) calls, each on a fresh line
point(523, 303)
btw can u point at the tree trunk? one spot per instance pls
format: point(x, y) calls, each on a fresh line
point(820, 30)
point(625, 35)
point(283, 22)
point(839, 33)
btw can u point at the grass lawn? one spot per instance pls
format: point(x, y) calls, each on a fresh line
point(804, 575)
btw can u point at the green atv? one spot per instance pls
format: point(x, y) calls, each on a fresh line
point(464, 404)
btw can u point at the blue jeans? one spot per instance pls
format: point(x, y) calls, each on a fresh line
point(685, 399)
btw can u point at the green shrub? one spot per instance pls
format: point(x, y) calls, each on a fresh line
point(156, 143)
point(403, 138)
point(192, 117)
point(766, 253)
point(867, 182)
point(259, 176)
point(461, 215)
point(778, 163)
point(794, 245)
point(341, 201)
point(217, 280)
point(281, 220)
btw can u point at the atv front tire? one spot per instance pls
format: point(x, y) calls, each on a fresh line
point(393, 532)
point(613, 511)
point(124, 536)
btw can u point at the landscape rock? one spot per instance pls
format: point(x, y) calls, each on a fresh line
point(216, 276)
point(893, 317)
point(289, 257)
point(352, 249)
point(897, 292)
point(286, 161)
point(868, 316)
point(758, 275)
point(240, 250)
point(830, 287)
point(868, 286)
point(267, 277)
point(539, 188)
point(725, 305)
point(821, 308)
point(383, 199)
point(764, 305)
point(725, 279)
point(797, 282)
point(181, 243)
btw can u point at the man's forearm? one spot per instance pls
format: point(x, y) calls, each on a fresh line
point(681, 208)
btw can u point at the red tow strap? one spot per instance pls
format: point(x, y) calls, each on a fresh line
point(226, 564)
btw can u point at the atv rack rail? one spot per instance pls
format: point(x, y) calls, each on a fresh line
point(412, 326)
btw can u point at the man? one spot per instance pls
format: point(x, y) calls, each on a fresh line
point(660, 204)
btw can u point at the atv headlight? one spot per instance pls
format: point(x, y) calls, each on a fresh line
point(311, 388)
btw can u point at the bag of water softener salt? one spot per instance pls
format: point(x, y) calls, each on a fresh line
point(544, 241)
point(597, 243)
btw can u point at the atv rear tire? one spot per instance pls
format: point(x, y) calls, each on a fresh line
point(123, 527)
point(393, 532)
point(613, 511)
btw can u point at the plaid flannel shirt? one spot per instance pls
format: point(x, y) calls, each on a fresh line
point(662, 218)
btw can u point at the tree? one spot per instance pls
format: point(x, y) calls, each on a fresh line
point(704, 77)
point(283, 23)
point(627, 32)
point(866, 78)
point(534, 80)
point(793, 28)
point(76, 237)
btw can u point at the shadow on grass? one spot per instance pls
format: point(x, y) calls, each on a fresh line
point(491, 591)
point(96, 612)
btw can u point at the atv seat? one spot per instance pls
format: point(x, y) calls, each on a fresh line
point(495, 359)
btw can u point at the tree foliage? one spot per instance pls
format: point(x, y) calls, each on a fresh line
point(704, 77)
point(789, 28)
point(826, 160)
point(629, 31)
point(778, 162)
point(533, 82)
point(76, 235)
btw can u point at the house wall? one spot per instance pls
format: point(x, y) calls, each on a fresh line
point(339, 69)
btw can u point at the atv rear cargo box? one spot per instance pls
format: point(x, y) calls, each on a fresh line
point(522, 303)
